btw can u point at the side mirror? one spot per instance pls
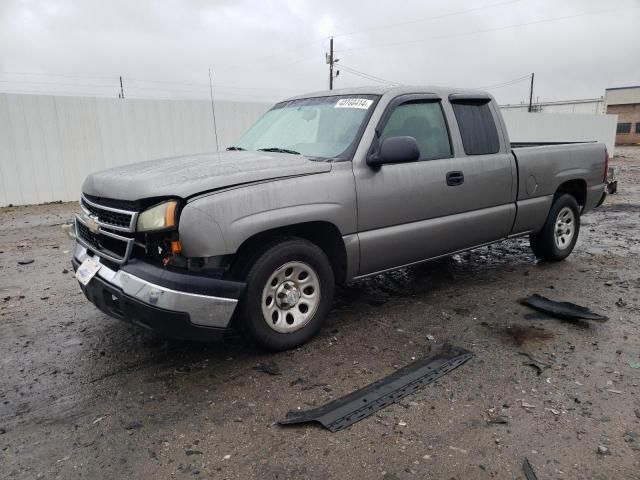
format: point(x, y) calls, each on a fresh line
point(395, 150)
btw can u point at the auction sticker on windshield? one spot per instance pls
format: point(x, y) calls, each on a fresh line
point(87, 270)
point(353, 103)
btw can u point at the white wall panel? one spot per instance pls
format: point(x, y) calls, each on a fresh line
point(561, 127)
point(49, 144)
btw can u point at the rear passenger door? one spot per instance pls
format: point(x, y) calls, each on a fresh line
point(458, 195)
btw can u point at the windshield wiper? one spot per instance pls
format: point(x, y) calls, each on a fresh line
point(279, 150)
point(235, 148)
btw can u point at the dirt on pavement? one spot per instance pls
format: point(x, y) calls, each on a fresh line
point(85, 396)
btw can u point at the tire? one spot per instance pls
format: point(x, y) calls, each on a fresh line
point(560, 232)
point(289, 292)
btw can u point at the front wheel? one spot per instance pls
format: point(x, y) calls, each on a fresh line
point(559, 234)
point(288, 295)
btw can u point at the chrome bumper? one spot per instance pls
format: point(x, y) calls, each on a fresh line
point(203, 310)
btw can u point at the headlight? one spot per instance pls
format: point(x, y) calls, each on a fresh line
point(160, 217)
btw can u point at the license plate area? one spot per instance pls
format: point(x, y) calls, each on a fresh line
point(87, 270)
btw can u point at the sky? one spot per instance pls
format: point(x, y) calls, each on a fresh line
point(267, 50)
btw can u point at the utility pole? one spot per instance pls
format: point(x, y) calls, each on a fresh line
point(121, 88)
point(531, 93)
point(331, 61)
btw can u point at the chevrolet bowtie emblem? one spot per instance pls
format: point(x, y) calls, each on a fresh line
point(91, 223)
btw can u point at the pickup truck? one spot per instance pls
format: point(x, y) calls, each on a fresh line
point(324, 188)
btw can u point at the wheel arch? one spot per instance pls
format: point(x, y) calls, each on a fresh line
point(576, 188)
point(323, 234)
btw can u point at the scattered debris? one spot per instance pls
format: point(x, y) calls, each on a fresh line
point(528, 470)
point(611, 390)
point(188, 453)
point(496, 419)
point(458, 449)
point(226, 457)
point(553, 410)
point(26, 262)
point(268, 368)
point(535, 362)
point(179, 369)
point(562, 310)
point(602, 450)
point(99, 419)
point(634, 364)
point(134, 425)
point(431, 338)
point(352, 408)
point(527, 405)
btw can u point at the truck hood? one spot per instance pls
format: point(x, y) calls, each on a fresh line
point(190, 175)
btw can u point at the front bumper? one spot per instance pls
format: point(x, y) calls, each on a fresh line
point(177, 305)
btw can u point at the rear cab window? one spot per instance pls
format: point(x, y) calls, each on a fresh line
point(424, 121)
point(477, 126)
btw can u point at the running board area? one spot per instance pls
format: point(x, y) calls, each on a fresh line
point(343, 412)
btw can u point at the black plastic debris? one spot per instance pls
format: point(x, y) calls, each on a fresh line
point(362, 403)
point(26, 262)
point(268, 368)
point(528, 470)
point(562, 310)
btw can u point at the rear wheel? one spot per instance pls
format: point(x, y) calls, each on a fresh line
point(288, 295)
point(559, 234)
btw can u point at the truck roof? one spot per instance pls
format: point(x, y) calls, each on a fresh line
point(396, 90)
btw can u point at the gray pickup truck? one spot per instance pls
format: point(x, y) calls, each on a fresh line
point(324, 188)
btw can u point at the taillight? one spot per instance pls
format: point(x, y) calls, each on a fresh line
point(606, 165)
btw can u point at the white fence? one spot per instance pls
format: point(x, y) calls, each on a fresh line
point(561, 127)
point(49, 144)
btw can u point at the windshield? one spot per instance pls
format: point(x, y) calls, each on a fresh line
point(321, 128)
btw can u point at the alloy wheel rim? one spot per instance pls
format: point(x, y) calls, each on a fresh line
point(565, 228)
point(291, 297)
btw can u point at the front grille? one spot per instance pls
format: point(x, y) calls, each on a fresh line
point(121, 220)
point(111, 235)
point(103, 244)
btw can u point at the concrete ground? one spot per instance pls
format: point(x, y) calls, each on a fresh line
point(84, 396)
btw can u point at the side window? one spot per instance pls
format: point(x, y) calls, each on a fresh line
point(423, 121)
point(477, 128)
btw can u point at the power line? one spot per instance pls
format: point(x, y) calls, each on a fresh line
point(505, 83)
point(385, 45)
point(424, 19)
point(368, 76)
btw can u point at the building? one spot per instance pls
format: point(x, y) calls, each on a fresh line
point(625, 102)
point(587, 105)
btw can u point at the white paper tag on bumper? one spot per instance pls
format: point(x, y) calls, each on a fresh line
point(87, 270)
point(353, 103)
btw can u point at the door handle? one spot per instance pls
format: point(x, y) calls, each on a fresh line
point(455, 178)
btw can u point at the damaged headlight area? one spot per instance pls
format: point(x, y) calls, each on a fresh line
point(163, 216)
point(157, 233)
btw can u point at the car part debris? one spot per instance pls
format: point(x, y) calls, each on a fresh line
point(26, 262)
point(528, 470)
point(535, 362)
point(268, 368)
point(352, 408)
point(497, 419)
point(612, 179)
point(562, 310)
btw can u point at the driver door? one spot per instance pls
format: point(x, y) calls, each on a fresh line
point(408, 212)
